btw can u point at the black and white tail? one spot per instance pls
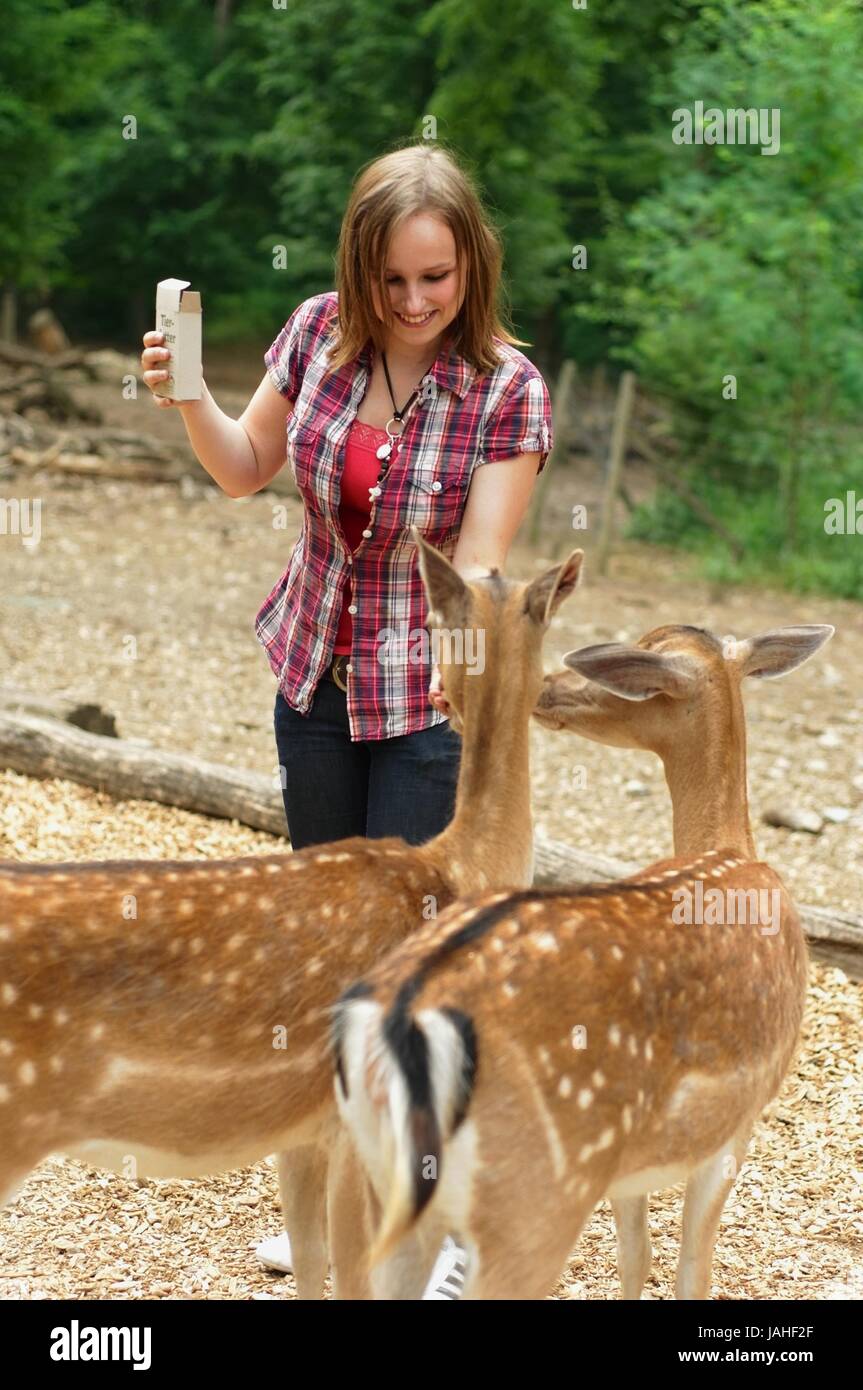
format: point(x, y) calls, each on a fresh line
point(404, 1084)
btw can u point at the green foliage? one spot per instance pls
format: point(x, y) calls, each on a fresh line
point(751, 266)
point(820, 561)
point(50, 59)
point(204, 139)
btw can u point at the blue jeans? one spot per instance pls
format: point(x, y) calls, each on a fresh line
point(334, 788)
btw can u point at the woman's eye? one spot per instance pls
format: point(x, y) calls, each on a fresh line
point(394, 278)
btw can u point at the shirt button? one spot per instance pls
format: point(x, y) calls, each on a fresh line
point(436, 487)
point(350, 559)
point(374, 492)
point(352, 608)
point(349, 669)
point(367, 534)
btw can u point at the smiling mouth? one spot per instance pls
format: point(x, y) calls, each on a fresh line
point(418, 321)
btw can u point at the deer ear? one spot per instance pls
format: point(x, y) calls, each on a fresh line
point(448, 595)
point(633, 673)
point(780, 650)
point(546, 593)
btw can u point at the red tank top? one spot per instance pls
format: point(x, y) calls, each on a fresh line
point(361, 470)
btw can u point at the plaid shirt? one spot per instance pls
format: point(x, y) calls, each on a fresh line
point(456, 425)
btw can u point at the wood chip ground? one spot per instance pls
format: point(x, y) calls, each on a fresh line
point(183, 571)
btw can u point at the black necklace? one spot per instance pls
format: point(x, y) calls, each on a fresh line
point(398, 416)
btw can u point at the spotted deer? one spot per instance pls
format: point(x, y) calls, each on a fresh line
point(531, 1053)
point(171, 1018)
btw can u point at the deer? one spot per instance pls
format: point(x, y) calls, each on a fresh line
point(530, 1053)
point(171, 1018)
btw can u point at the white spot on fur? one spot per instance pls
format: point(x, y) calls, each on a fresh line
point(545, 941)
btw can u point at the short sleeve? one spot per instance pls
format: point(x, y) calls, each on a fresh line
point(521, 424)
point(285, 359)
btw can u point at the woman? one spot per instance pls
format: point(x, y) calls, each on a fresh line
point(397, 387)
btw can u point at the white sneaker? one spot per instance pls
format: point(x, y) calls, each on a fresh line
point(275, 1253)
point(446, 1281)
point(447, 1277)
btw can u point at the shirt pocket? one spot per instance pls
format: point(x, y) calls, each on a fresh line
point(435, 500)
point(306, 449)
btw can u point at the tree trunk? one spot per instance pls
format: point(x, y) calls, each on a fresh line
point(9, 314)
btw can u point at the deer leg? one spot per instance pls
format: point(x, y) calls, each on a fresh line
point(11, 1183)
point(522, 1259)
point(351, 1208)
point(303, 1189)
point(633, 1244)
point(707, 1190)
point(404, 1274)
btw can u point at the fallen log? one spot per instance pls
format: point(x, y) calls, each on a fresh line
point(124, 455)
point(16, 356)
point(129, 771)
point(62, 707)
point(135, 470)
point(44, 747)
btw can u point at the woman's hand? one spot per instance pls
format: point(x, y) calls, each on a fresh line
point(154, 360)
point(436, 695)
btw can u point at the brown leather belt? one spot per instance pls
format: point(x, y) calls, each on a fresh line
point(337, 671)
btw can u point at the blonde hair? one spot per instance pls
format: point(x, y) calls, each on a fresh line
point(417, 178)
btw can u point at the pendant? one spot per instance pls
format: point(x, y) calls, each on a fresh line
point(383, 451)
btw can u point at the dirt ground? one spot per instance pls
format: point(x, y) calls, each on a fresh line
point(184, 570)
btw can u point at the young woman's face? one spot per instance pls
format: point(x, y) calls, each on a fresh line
point(421, 276)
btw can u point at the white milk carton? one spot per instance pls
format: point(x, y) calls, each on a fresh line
point(178, 316)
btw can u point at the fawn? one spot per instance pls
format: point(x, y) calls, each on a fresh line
point(530, 1053)
point(174, 1015)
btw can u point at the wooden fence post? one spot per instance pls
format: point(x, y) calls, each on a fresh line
point(622, 415)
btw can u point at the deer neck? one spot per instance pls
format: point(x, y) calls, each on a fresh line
point(706, 777)
point(489, 841)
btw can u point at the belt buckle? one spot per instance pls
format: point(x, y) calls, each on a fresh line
point(335, 668)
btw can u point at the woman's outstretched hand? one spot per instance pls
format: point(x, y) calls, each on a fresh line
point(436, 695)
point(154, 359)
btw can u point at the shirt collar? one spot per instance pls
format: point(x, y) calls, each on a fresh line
point(449, 368)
